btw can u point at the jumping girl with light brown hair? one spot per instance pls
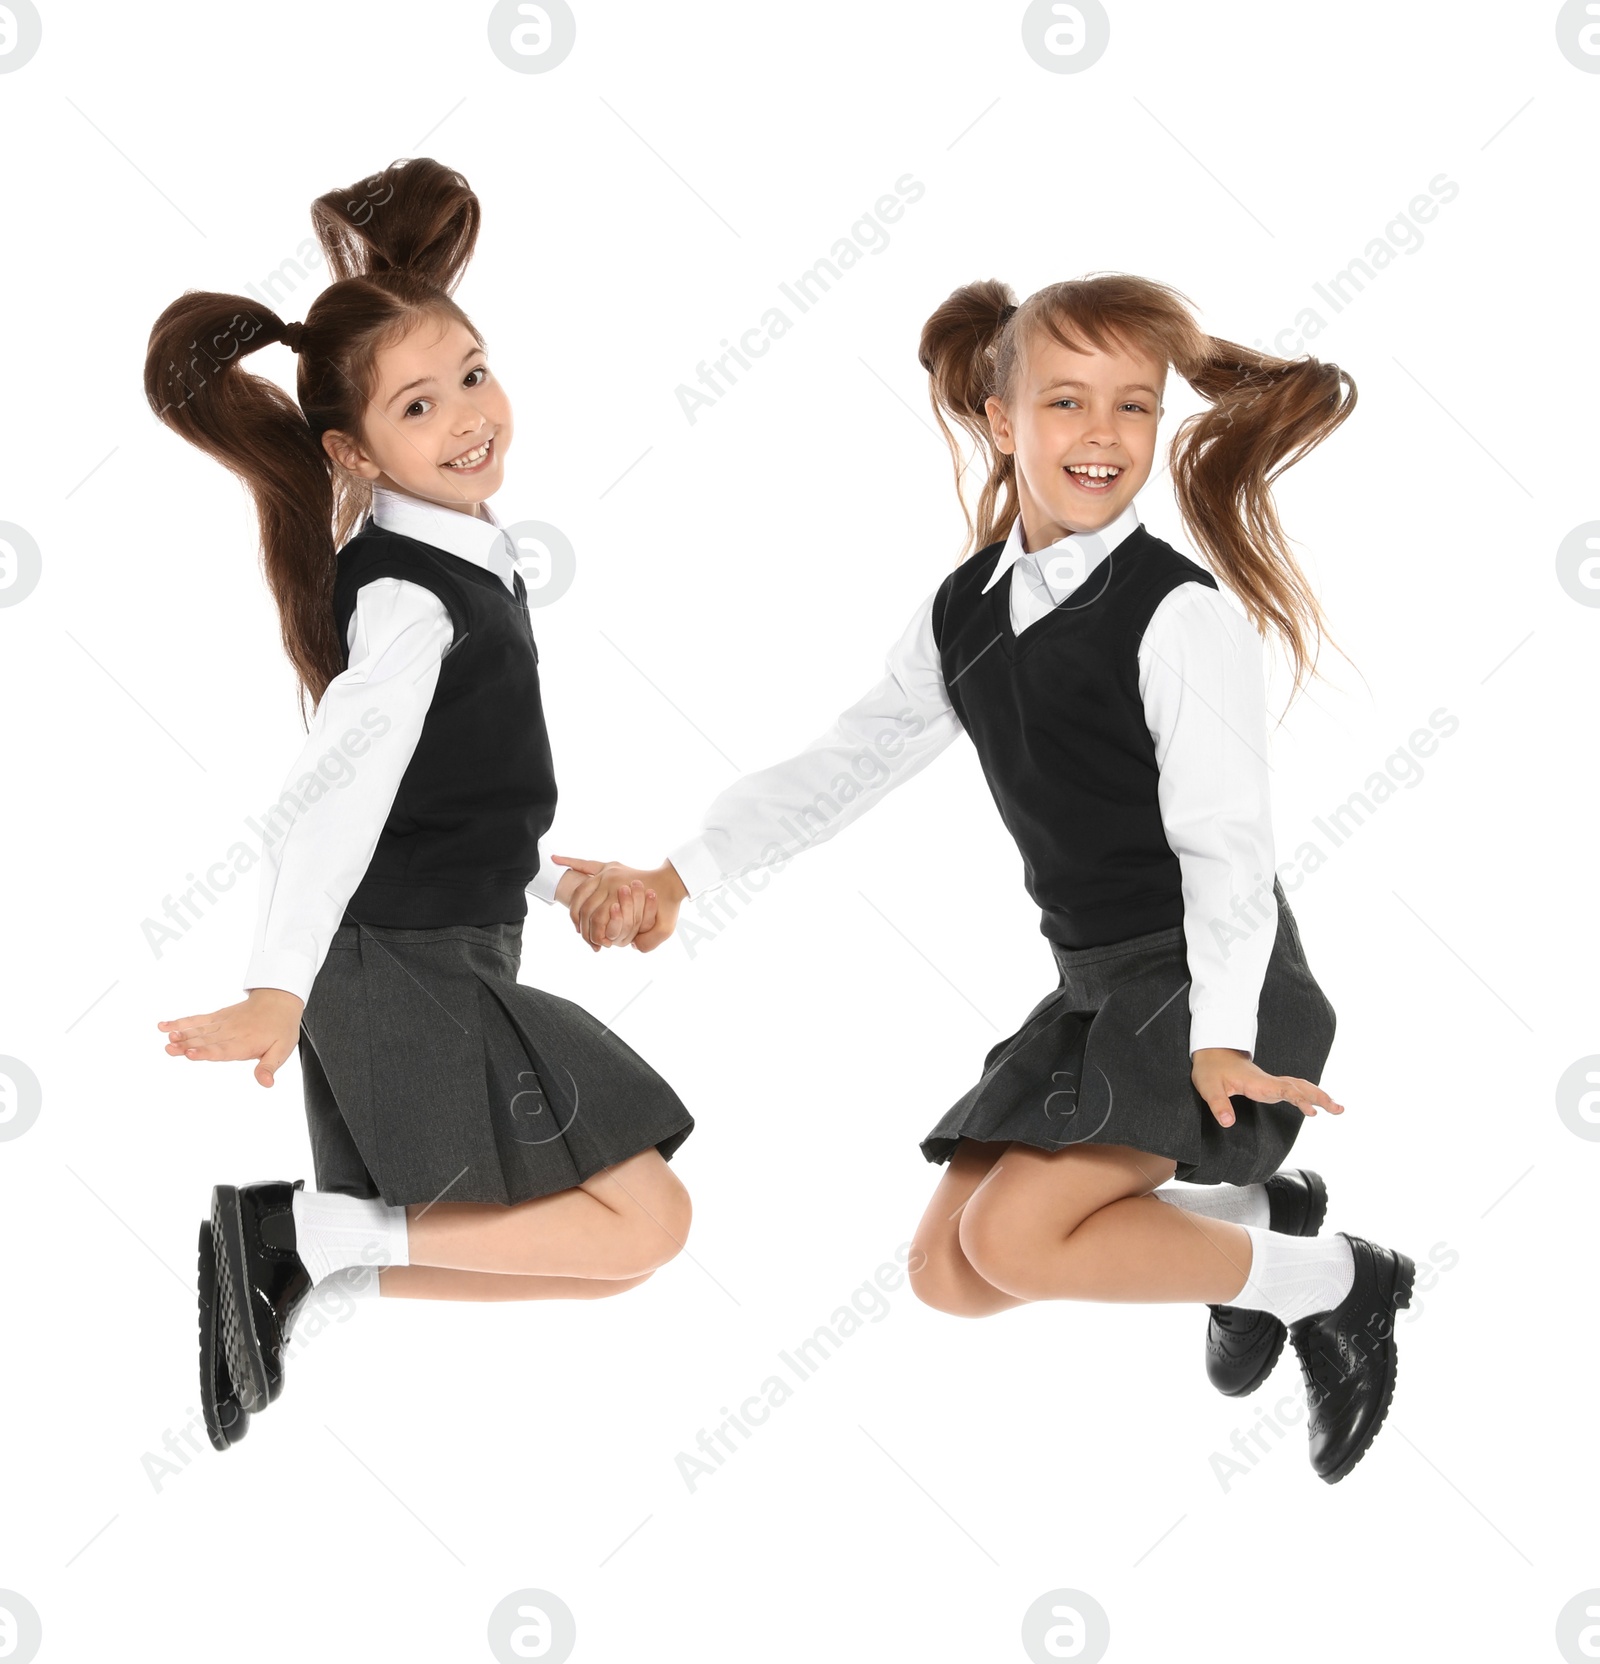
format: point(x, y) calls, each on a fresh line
point(477, 1138)
point(1116, 698)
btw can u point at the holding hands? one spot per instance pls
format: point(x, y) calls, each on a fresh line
point(612, 904)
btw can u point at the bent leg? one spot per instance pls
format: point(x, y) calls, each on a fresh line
point(622, 1223)
point(941, 1274)
point(432, 1282)
point(1080, 1224)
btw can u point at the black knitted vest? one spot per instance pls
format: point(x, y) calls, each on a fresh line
point(1059, 727)
point(460, 845)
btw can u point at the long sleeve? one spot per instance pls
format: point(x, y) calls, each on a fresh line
point(1204, 694)
point(339, 793)
point(543, 887)
point(891, 733)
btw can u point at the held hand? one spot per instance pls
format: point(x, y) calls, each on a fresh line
point(663, 899)
point(1220, 1073)
point(648, 900)
point(609, 903)
point(265, 1025)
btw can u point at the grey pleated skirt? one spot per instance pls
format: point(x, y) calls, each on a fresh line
point(432, 1074)
point(1104, 1059)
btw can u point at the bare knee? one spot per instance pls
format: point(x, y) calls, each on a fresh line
point(655, 1224)
point(941, 1279)
point(1006, 1252)
point(933, 1279)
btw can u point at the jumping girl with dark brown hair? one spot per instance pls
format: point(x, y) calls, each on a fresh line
point(1116, 700)
point(477, 1138)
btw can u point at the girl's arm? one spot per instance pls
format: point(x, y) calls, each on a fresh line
point(326, 823)
point(764, 819)
point(343, 784)
point(1200, 677)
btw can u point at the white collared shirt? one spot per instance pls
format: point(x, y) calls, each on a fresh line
point(398, 635)
point(1204, 697)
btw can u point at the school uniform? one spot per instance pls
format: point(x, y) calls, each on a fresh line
point(413, 828)
point(1116, 702)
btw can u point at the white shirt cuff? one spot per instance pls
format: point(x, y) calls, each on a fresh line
point(545, 881)
point(282, 968)
point(1218, 1026)
point(696, 866)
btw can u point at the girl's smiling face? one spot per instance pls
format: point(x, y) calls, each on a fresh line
point(434, 402)
point(1067, 412)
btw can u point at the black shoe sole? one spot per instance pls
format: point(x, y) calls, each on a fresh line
point(1319, 1212)
point(1405, 1278)
point(226, 1423)
point(247, 1365)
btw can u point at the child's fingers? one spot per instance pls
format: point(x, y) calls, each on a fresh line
point(216, 1051)
point(1317, 1095)
point(1221, 1107)
point(272, 1060)
point(639, 900)
point(578, 907)
point(190, 1042)
point(624, 918)
point(622, 914)
point(180, 1027)
point(1283, 1089)
point(598, 919)
point(192, 1035)
point(1301, 1093)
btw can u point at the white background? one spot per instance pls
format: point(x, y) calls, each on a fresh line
point(739, 579)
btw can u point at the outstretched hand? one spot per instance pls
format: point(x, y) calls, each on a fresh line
point(612, 904)
point(265, 1025)
point(1220, 1073)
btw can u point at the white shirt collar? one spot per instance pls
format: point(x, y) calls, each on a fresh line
point(445, 528)
point(1093, 546)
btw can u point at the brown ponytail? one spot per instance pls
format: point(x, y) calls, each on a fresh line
point(1266, 413)
point(397, 244)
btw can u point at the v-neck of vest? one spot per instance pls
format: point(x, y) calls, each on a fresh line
point(470, 568)
point(1017, 647)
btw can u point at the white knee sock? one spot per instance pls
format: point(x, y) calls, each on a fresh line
point(1239, 1204)
point(1295, 1276)
point(333, 1231)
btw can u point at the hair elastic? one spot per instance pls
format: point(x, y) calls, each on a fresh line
point(291, 336)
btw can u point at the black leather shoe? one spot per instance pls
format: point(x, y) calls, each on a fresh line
point(226, 1419)
point(261, 1283)
point(1349, 1358)
point(1297, 1202)
point(1242, 1346)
